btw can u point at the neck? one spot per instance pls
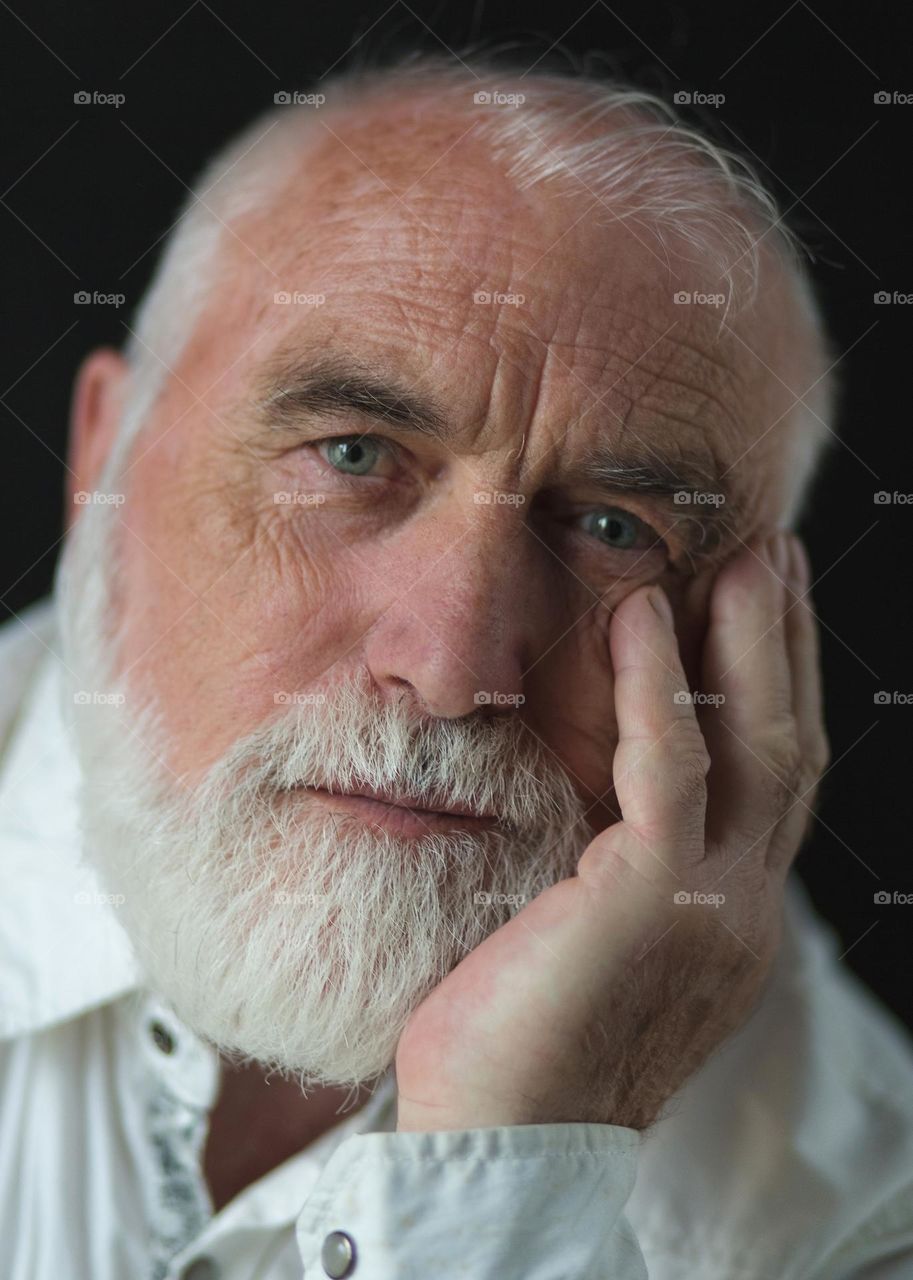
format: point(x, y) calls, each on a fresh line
point(257, 1124)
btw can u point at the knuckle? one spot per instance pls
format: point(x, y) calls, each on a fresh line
point(690, 790)
point(779, 745)
point(683, 750)
point(686, 746)
point(690, 775)
point(785, 770)
point(818, 756)
point(784, 788)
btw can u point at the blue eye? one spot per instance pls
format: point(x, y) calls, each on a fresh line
point(353, 455)
point(618, 529)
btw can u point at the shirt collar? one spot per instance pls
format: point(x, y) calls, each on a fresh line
point(62, 949)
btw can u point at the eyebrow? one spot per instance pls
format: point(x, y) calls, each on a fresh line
point(331, 386)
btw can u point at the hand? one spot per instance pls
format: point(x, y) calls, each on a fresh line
point(602, 996)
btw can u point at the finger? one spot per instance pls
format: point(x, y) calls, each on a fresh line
point(802, 645)
point(660, 763)
point(751, 733)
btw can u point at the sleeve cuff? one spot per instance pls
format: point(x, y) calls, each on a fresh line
point(525, 1202)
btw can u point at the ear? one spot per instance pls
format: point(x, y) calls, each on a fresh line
point(95, 412)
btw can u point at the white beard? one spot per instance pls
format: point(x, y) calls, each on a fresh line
point(281, 932)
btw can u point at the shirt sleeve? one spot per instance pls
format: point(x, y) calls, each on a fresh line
point(525, 1202)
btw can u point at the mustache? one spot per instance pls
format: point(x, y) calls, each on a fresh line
point(348, 738)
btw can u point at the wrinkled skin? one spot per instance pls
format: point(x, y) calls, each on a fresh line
point(600, 999)
point(231, 596)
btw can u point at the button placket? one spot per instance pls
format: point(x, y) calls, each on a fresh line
point(187, 1066)
point(182, 1075)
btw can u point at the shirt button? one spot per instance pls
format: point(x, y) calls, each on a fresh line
point(338, 1255)
point(201, 1269)
point(163, 1038)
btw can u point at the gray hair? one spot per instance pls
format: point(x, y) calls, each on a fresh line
point(625, 146)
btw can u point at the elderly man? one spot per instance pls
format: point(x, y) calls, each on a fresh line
point(401, 790)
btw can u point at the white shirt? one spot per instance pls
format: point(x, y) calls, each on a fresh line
point(788, 1156)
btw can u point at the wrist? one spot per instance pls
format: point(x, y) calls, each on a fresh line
point(412, 1118)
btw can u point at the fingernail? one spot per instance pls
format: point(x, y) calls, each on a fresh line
point(660, 603)
point(800, 570)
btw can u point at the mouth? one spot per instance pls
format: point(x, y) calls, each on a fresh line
point(402, 815)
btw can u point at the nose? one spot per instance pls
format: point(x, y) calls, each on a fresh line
point(472, 613)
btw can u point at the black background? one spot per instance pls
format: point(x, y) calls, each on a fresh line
point(89, 190)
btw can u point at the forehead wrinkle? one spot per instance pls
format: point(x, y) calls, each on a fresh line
point(610, 336)
point(637, 410)
point(663, 399)
point(626, 351)
point(427, 274)
point(685, 367)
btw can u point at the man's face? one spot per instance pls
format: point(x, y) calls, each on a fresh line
point(458, 542)
point(398, 564)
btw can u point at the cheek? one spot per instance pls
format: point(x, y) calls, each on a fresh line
point(570, 703)
point(270, 621)
point(292, 622)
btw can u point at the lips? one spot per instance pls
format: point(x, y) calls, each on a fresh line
point(403, 801)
